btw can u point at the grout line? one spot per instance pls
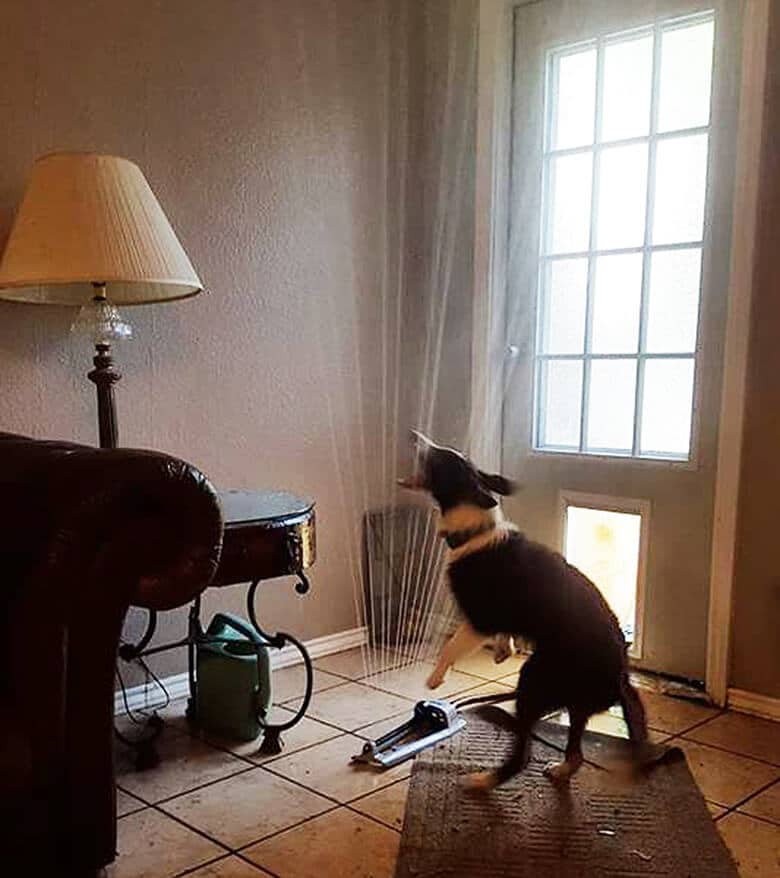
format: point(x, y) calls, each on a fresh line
point(373, 819)
point(240, 851)
point(303, 786)
point(204, 786)
point(721, 749)
point(688, 729)
point(260, 869)
point(191, 869)
point(192, 828)
point(225, 748)
point(733, 808)
point(379, 790)
point(751, 817)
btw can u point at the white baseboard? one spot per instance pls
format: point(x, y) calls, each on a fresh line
point(178, 686)
point(751, 702)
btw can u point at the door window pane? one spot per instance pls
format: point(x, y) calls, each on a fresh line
point(620, 271)
point(617, 293)
point(622, 197)
point(673, 306)
point(561, 384)
point(686, 76)
point(611, 405)
point(680, 188)
point(667, 408)
point(628, 82)
point(570, 183)
point(564, 307)
point(575, 99)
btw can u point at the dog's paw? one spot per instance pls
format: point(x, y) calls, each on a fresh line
point(503, 648)
point(480, 781)
point(435, 680)
point(560, 772)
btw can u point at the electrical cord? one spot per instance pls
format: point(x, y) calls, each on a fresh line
point(144, 747)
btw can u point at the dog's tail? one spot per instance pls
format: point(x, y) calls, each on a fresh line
point(485, 699)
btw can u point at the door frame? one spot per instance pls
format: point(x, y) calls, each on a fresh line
point(489, 353)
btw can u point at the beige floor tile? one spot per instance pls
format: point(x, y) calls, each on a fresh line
point(229, 867)
point(355, 664)
point(725, 778)
point(341, 844)
point(185, 763)
point(288, 683)
point(410, 682)
point(510, 679)
point(716, 810)
point(353, 705)
point(673, 715)
point(740, 733)
point(151, 845)
point(326, 768)
point(766, 804)
point(755, 845)
point(388, 805)
point(303, 734)
point(245, 808)
point(126, 804)
point(482, 664)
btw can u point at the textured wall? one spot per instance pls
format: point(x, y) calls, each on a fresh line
point(755, 645)
point(261, 128)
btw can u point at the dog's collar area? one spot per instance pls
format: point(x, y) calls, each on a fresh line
point(457, 538)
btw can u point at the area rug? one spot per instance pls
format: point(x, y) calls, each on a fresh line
point(601, 826)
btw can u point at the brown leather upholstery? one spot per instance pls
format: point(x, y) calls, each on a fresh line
point(84, 533)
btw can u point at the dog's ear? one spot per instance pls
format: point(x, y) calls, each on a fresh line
point(496, 483)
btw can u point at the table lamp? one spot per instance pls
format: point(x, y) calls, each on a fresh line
point(90, 233)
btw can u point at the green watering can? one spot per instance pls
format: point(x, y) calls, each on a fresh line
point(233, 690)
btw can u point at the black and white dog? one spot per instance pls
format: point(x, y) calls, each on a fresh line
point(504, 582)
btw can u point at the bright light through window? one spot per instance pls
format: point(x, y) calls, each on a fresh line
point(625, 167)
point(604, 545)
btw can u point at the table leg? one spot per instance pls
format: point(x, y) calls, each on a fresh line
point(272, 742)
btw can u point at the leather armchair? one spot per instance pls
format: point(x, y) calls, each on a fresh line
point(84, 533)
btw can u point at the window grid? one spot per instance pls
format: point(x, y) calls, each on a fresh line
point(641, 356)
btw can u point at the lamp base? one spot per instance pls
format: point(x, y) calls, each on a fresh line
point(104, 376)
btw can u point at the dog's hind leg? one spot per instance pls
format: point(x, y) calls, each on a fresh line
point(561, 772)
point(644, 752)
point(518, 759)
point(533, 701)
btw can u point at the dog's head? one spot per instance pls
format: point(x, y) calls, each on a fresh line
point(451, 478)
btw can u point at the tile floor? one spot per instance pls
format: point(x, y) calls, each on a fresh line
point(216, 808)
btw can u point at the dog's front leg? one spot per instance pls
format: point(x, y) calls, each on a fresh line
point(503, 648)
point(462, 643)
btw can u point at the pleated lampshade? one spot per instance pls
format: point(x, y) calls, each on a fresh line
point(87, 219)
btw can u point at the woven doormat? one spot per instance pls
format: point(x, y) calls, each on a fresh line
point(598, 826)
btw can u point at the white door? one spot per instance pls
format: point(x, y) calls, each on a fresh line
point(623, 141)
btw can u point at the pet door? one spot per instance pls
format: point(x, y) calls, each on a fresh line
point(604, 537)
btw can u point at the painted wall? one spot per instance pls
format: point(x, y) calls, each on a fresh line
point(755, 660)
point(262, 128)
